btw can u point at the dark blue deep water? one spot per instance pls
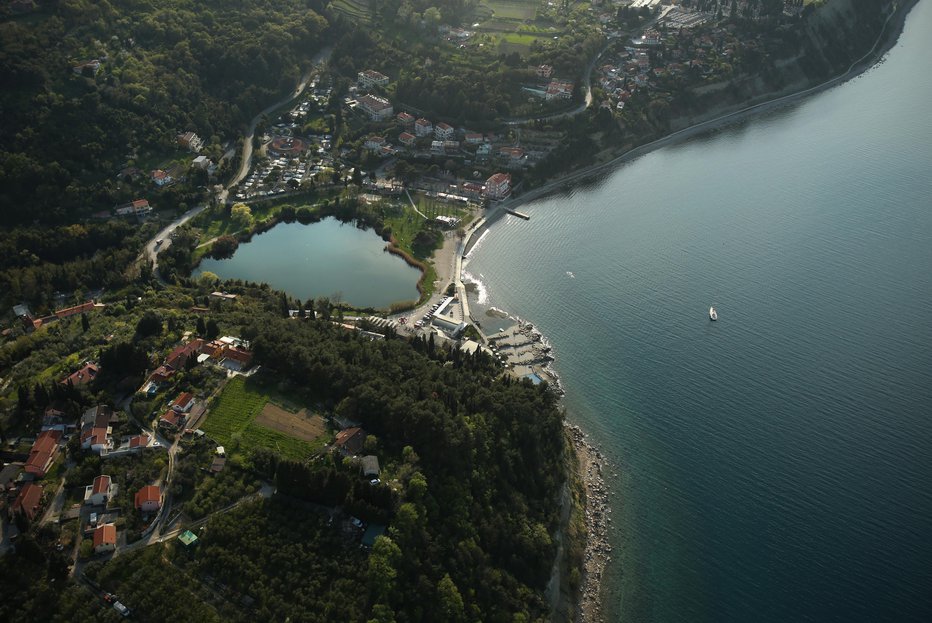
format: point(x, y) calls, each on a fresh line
point(775, 465)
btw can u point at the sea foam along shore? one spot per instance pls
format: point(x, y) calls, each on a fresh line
point(592, 464)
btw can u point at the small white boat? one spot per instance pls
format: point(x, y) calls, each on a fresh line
point(713, 315)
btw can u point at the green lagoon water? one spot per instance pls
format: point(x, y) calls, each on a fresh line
point(775, 465)
point(322, 259)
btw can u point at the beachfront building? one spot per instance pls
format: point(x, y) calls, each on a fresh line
point(498, 186)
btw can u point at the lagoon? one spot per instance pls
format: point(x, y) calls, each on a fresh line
point(324, 259)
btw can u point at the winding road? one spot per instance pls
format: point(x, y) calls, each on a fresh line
point(153, 247)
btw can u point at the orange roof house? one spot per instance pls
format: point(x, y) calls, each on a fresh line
point(105, 538)
point(43, 453)
point(27, 502)
point(350, 440)
point(149, 498)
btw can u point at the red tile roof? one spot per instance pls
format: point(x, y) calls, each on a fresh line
point(105, 535)
point(43, 451)
point(139, 441)
point(149, 493)
point(101, 484)
point(27, 502)
point(183, 399)
point(77, 309)
point(83, 376)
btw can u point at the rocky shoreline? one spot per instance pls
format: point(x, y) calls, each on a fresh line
point(592, 467)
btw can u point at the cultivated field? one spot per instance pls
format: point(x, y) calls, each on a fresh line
point(302, 425)
point(237, 418)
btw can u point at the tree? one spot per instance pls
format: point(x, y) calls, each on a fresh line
point(149, 324)
point(382, 572)
point(199, 327)
point(85, 323)
point(450, 600)
point(212, 330)
point(242, 215)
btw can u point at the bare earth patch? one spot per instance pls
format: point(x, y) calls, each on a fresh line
point(300, 425)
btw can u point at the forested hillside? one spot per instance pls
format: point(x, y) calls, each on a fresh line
point(164, 67)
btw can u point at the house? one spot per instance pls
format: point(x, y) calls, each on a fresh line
point(369, 78)
point(350, 441)
point(405, 120)
point(484, 151)
point(179, 356)
point(378, 108)
point(93, 66)
point(498, 186)
point(190, 141)
point(407, 139)
point(473, 190)
point(28, 501)
point(374, 143)
point(436, 147)
point(370, 466)
point(218, 464)
point(160, 177)
point(148, 499)
point(77, 309)
point(43, 453)
point(105, 537)
point(443, 131)
point(474, 138)
point(544, 71)
point(423, 127)
point(183, 403)
point(139, 441)
point(559, 90)
point(139, 207)
point(100, 492)
point(201, 162)
point(54, 420)
point(511, 155)
point(97, 439)
point(172, 420)
point(83, 376)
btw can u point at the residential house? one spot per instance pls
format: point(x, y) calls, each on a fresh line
point(93, 66)
point(100, 492)
point(544, 71)
point(83, 376)
point(139, 441)
point(558, 89)
point(8, 476)
point(474, 138)
point(77, 309)
point(498, 186)
point(423, 127)
point(183, 403)
point(139, 207)
point(148, 499)
point(201, 162)
point(484, 151)
point(406, 120)
point(350, 441)
point(406, 139)
point(378, 108)
point(43, 453)
point(369, 78)
point(53, 419)
point(172, 420)
point(374, 143)
point(436, 148)
point(511, 155)
point(190, 141)
point(105, 538)
point(443, 131)
point(28, 501)
point(472, 190)
point(160, 177)
point(96, 429)
point(179, 356)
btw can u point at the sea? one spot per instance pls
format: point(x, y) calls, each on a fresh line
point(775, 465)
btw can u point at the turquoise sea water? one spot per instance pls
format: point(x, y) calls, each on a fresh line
point(775, 465)
point(324, 259)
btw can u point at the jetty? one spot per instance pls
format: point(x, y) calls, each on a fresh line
point(526, 217)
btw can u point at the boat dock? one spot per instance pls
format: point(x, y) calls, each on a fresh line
point(526, 217)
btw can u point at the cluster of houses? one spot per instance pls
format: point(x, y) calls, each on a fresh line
point(30, 322)
point(227, 352)
point(100, 525)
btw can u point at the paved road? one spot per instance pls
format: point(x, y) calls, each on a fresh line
point(152, 248)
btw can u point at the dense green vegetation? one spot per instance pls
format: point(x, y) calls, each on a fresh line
point(165, 68)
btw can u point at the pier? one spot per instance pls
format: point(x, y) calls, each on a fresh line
point(526, 217)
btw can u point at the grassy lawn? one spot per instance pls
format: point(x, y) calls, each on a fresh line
point(232, 417)
point(513, 10)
